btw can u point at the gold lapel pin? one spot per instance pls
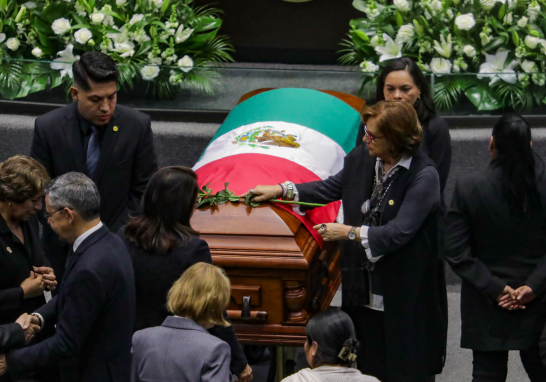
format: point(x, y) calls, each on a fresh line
point(9, 250)
point(116, 128)
point(391, 202)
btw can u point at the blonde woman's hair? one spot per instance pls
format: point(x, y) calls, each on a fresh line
point(201, 293)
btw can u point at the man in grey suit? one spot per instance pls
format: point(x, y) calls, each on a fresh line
point(181, 349)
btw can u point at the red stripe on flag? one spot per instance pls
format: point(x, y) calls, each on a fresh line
point(244, 171)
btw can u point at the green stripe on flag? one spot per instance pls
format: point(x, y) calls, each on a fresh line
point(317, 110)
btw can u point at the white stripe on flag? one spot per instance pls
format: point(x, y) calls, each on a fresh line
point(303, 145)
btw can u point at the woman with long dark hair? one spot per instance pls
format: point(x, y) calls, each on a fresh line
point(402, 80)
point(496, 242)
point(162, 245)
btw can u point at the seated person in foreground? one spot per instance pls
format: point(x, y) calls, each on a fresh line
point(162, 245)
point(181, 349)
point(330, 350)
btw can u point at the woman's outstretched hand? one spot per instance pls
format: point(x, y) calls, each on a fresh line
point(263, 193)
point(334, 231)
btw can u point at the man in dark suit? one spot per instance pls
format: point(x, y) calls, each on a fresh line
point(95, 309)
point(111, 144)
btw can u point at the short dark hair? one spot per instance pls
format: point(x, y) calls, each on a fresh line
point(96, 67)
point(332, 330)
point(399, 123)
point(425, 104)
point(167, 206)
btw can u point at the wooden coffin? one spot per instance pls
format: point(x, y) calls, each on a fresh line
point(279, 275)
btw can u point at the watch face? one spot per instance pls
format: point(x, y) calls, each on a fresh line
point(352, 235)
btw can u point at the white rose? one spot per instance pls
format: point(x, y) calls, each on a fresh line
point(369, 67)
point(374, 41)
point(186, 63)
point(157, 3)
point(436, 5)
point(529, 66)
point(60, 26)
point(487, 4)
point(83, 35)
point(402, 5)
point(469, 51)
point(465, 22)
point(121, 3)
point(2, 37)
point(136, 18)
point(522, 23)
point(440, 65)
point(531, 41)
point(37, 52)
point(405, 33)
point(149, 72)
point(508, 19)
point(13, 43)
point(97, 17)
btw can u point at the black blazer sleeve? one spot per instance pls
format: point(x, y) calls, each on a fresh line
point(144, 167)
point(440, 148)
point(11, 336)
point(39, 149)
point(321, 191)
point(458, 252)
point(537, 279)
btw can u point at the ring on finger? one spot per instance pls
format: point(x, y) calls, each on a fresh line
point(322, 227)
point(251, 191)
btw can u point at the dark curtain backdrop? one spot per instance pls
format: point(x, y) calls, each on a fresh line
point(277, 31)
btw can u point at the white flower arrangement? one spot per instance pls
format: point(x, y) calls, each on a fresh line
point(170, 44)
point(494, 39)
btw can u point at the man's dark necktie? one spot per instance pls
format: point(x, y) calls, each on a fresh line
point(93, 151)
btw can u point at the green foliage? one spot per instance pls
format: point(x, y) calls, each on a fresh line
point(493, 39)
point(168, 44)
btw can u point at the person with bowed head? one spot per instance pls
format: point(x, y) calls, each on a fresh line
point(330, 350)
point(393, 283)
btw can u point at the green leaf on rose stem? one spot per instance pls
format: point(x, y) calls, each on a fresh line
point(165, 6)
point(494, 22)
point(247, 199)
point(534, 33)
point(502, 11)
point(112, 13)
point(399, 19)
point(201, 202)
point(515, 38)
point(483, 97)
point(361, 34)
point(254, 204)
point(493, 44)
point(79, 26)
point(78, 18)
point(360, 5)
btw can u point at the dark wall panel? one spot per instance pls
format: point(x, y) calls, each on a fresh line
point(283, 32)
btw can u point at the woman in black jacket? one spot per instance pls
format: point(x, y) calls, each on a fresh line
point(162, 245)
point(496, 230)
point(23, 272)
point(402, 80)
point(392, 274)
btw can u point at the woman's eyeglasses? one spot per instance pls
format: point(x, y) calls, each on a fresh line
point(371, 137)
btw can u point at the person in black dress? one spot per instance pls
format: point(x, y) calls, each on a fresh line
point(24, 271)
point(162, 245)
point(392, 274)
point(402, 80)
point(495, 241)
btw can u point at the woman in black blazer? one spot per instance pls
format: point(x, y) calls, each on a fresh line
point(162, 245)
point(496, 242)
point(402, 80)
point(23, 271)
